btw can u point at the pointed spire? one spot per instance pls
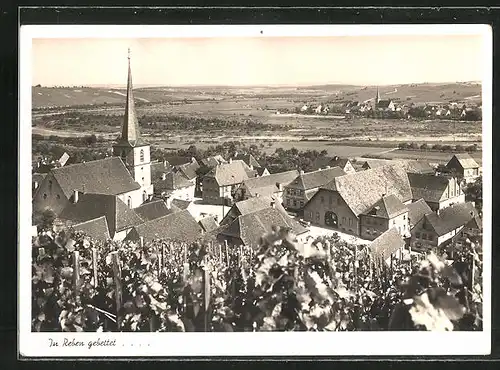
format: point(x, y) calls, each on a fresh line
point(378, 96)
point(130, 129)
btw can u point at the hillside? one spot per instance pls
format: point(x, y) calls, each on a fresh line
point(410, 93)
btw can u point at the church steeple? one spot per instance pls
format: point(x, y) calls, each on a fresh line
point(377, 99)
point(130, 128)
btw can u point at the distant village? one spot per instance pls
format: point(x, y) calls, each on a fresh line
point(388, 108)
point(392, 204)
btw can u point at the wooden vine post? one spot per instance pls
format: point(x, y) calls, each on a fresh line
point(94, 266)
point(118, 286)
point(206, 294)
point(76, 272)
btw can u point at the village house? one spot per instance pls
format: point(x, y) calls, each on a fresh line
point(36, 180)
point(85, 207)
point(189, 171)
point(410, 166)
point(220, 183)
point(416, 212)
point(434, 230)
point(464, 166)
point(206, 165)
point(97, 228)
point(249, 228)
point(251, 162)
point(172, 163)
point(387, 246)
point(305, 185)
point(250, 205)
point(266, 185)
point(154, 209)
point(438, 191)
point(389, 212)
point(208, 224)
point(343, 163)
point(348, 202)
point(174, 185)
point(179, 226)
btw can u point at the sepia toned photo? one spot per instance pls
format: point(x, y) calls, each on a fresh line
point(256, 183)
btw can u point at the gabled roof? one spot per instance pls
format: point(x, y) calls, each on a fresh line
point(465, 160)
point(90, 206)
point(322, 162)
point(268, 185)
point(96, 228)
point(384, 103)
point(177, 160)
point(179, 226)
point(181, 204)
point(208, 224)
point(451, 218)
point(316, 179)
point(153, 210)
point(213, 161)
point(362, 189)
point(417, 210)
point(410, 165)
point(387, 207)
point(260, 170)
point(172, 181)
point(230, 173)
point(251, 205)
point(386, 244)
point(428, 187)
point(188, 170)
point(105, 176)
point(252, 226)
point(248, 158)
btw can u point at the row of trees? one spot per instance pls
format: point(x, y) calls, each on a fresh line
point(439, 147)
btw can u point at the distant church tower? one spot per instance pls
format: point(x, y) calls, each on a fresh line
point(131, 147)
point(377, 98)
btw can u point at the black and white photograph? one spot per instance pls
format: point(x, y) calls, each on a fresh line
point(255, 179)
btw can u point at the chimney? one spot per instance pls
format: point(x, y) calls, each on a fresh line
point(169, 202)
point(163, 176)
point(230, 160)
point(279, 186)
point(75, 196)
point(336, 158)
point(35, 184)
point(301, 172)
point(165, 163)
point(251, 167)
point(193, 159)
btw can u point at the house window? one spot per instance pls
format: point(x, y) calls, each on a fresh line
point(144, 194)
point(58, 196)
point(50, 186)
point(417, 235)
point(288, 202)
point(129, 202)
point(393, 222)
point(404, 217)
point(424, 236)
point(317, 216)
point(301, 204)
point(141, 155)
point(143, 180)
point(322, 198)
point(331, 219)
point(310, 215)
point(343, 220)
point(44, 196)
point(294, 203)
point(350, 221)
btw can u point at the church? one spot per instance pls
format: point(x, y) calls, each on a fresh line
point(124, 178)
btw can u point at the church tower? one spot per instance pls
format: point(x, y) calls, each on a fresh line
point(377, 98)
point(131, 147)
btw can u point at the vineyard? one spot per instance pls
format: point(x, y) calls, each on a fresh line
point(82, 285)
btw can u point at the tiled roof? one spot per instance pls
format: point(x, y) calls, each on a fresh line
point(384, 103)
point(104, 176)
point(208, 224)
point(260, 170)
point(249, 159)
point(387, 207)
point(268, 185)
point(475, 223)
point(188, 170)
point(175, 160)
point(386, 244)
point(466, 160)
point(322, 162)
point(451, 218)
point(230, 173)
point(153, 210)
point(179, 226)
point(90, 206)
point(417, 210)
point(172, 181)
point(96, 228)
point(251, 227)
point(180, 203)
point(211, 162)
point(362, 189)
point(418, 166)
point(251, 205)
point(315, 179)
point(428, 187)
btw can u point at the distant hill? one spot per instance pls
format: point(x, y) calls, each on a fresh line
point(461, 92)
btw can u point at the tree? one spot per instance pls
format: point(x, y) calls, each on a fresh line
point(45, 219)
point(424, 146)
point(414, 146)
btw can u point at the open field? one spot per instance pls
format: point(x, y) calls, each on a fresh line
point(430, 156)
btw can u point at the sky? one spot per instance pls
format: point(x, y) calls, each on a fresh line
point(357, 60)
